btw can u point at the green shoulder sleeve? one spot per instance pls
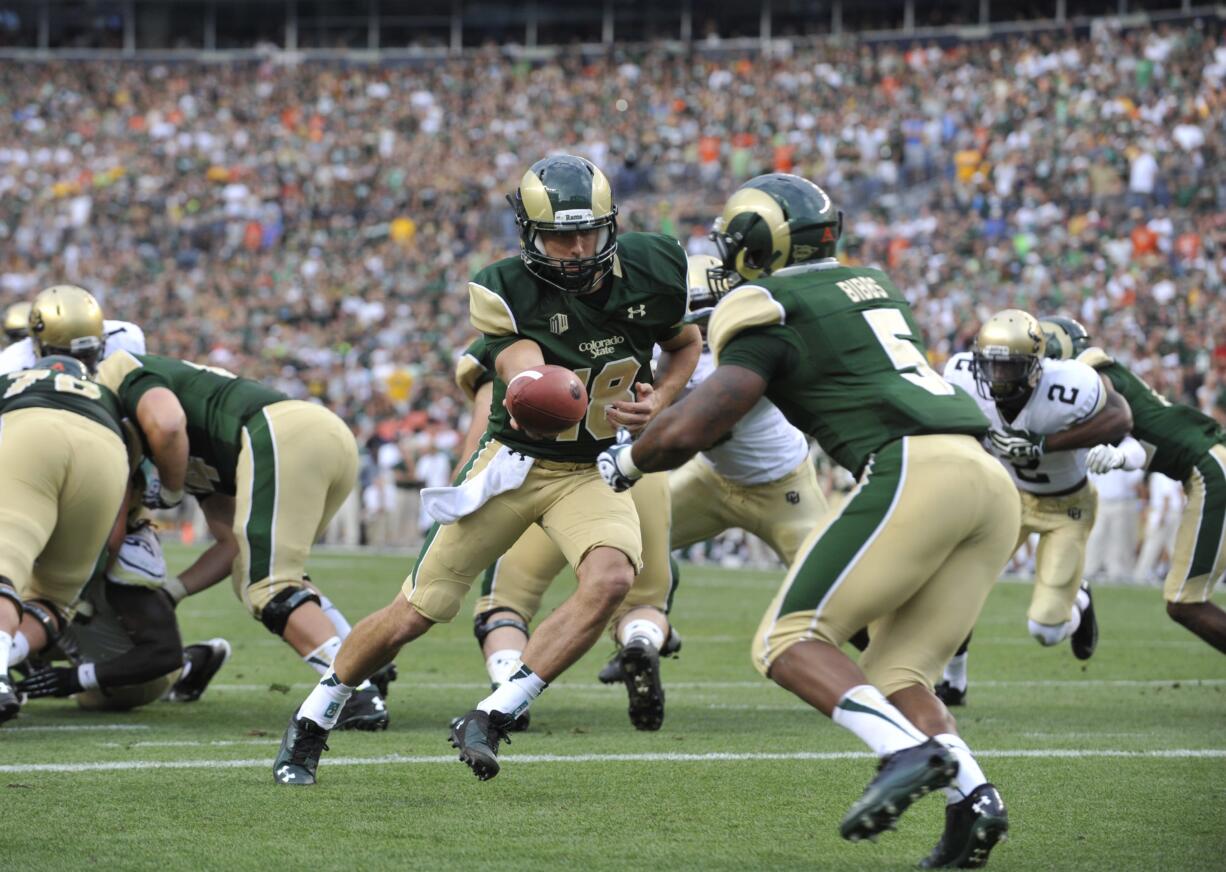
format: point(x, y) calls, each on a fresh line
point(474, 369)
point(127, 376)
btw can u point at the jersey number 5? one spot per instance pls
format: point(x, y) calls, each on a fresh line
point(896, 338)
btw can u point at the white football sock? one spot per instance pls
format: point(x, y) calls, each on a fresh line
point(649, 630)
point(6, 646)
point(868, 714)
point(333, 614)
point(502, 664)
point(955, 671)
point(515, 694)
point(324, 704)
point(1082, 602)
point(20, 649)
point(969, 775)
point(321, 658)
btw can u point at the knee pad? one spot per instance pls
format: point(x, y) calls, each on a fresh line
point(276, 614)
point(483, 626)
point(52, 622)
point(8, 591)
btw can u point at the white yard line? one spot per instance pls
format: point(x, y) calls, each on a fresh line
point(71, 728)
point(715, 757)
point(740, 685)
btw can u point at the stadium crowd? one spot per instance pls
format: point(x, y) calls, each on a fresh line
point(315, 225)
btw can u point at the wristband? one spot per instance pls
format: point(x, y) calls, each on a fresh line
point(625, 465)
point(87, 676)
point(174, 589)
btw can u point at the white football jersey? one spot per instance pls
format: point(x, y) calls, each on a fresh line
point(762, 447)
point(120, 336)
point(1068, 393)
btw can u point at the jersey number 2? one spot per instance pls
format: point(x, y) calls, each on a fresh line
point(895, 336)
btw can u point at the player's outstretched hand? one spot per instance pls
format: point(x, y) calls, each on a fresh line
point(1104, 458)
point(1017, 444)
point(615, 465)
point(634, 414)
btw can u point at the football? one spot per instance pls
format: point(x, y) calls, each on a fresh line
point(547, 399)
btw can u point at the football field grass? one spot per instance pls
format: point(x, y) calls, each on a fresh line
point(1118, 763)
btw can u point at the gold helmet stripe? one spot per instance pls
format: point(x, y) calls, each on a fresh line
point(535, 198)
point(602, 194)
point(766, 207)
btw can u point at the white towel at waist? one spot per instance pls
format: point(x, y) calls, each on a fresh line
point(506, 471)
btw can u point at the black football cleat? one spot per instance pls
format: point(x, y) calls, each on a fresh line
point(641, 674)
point(902, 778)
point(383, 678)
point(10, 703)
point(298, 757)
point(950, 695)
point(476, 735)
point(973, 827)
point(612, 673)
point(365, 710)
point(206, 659)
point(1085, 638)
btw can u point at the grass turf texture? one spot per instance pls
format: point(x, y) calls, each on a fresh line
point(426, 810)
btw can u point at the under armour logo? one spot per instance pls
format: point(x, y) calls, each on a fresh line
point(982, 805)
point(636, 311)
point(1075, 513)
point(286, 774)
point(792, 497)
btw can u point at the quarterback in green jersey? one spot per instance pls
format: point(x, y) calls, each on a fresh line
point(838, 351)
point(63, 472)
point(1185, 445)
point(269, 473)
point(579, 296)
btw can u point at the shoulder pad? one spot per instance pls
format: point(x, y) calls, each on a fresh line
point(745, 308)
point(117, 367)
point(1095, 357)
point(489, 312)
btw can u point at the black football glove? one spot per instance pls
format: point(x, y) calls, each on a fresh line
point(52, 681)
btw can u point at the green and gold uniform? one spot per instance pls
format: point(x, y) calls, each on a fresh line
point(917, 545)
point(63, 471)
point(1183, 444)
point(518, 580)
point(606, 338)
point(288, 464)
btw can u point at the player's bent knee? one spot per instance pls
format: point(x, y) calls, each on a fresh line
point(276, 612)
point(1048, 634)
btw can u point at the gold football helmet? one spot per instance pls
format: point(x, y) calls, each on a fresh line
point(1008, 355)
point(65, 319)
point(17, 321)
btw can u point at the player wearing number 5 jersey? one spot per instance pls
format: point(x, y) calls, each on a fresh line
point(838, 351)
point(63, 468)
point(1032, 406)
point(269, 473)
point(578, 296)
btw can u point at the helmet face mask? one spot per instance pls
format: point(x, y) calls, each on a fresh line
point(565, 194)
point(67, 320)
point(1008, 356)
point(1066, 337)
point(774, 221)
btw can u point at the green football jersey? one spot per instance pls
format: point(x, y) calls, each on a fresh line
point(1175, 436)
point(45, 389)
point(217, 404)
point(843, 356)
point(609, 346)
